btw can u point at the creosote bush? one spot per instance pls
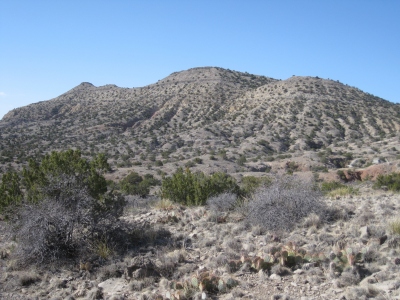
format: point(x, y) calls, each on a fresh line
point(284, 203)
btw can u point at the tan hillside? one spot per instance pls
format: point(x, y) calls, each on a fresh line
point(219, 115)
point(275, 237)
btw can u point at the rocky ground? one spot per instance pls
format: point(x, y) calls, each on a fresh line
point(201, 253)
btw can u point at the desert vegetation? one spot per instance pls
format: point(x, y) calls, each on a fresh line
point(60, 213)
point(209, 184)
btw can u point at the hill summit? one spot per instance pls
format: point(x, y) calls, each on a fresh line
point(203, 112)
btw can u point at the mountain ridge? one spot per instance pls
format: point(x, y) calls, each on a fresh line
point(201, 111)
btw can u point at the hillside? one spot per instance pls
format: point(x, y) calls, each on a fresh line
point(235, 122)
point(66, 232)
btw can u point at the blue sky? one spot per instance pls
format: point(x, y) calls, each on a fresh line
point(48, 47)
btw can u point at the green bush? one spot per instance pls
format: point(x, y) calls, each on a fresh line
point(10, 191)
point(189, 188)
point(241, 160)
point(36, 177)
point(198, 160)
point(391, 181)
point(70, 163)
point(134, 184)
point(190, 164)
point(331, 185)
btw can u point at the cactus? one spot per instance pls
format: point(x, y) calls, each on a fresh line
point(176, 285)
point(332, 267)
point(195, 281)
point(269, 258)
point(244, 259)
point(298, 259)
point(206, 285)
point(347, 258)
point(257, 263)
point(230, 282)
point(221, 286)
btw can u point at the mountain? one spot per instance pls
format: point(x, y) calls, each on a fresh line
point(233, 121)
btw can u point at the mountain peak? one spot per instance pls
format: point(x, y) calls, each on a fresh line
point(82, 86)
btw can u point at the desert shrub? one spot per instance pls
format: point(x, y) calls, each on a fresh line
point(391, 181)
point(331, 185)
point(158, 163)
point(337, 189)
point(251, 183)
point(64, 222)
point(10, 191)
point(284, 203)
point(342, 191)
point(291, 167)
point(190, 164)
point(64, 205)
point(341, 175)
point(70, 163)
point(241, 160)
point(134, 184)
point(223, 202)
point(198, 160)
point(190, 188)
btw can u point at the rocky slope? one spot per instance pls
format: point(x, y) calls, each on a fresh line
point(203, 112)
point(178, 245)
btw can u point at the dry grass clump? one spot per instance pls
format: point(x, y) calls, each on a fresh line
point(102, 248)
point(313, 220)
point(394, 226)
point(342, 192)
point(164, 204)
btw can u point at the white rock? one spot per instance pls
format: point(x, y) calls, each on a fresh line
point(364, 232)
point(113, 286)
point(275, 277)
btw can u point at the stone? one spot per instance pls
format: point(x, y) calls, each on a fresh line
point(113, 286)
point(275, 277)
point(364, 232)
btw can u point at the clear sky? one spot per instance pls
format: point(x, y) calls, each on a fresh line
point(48, 47)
